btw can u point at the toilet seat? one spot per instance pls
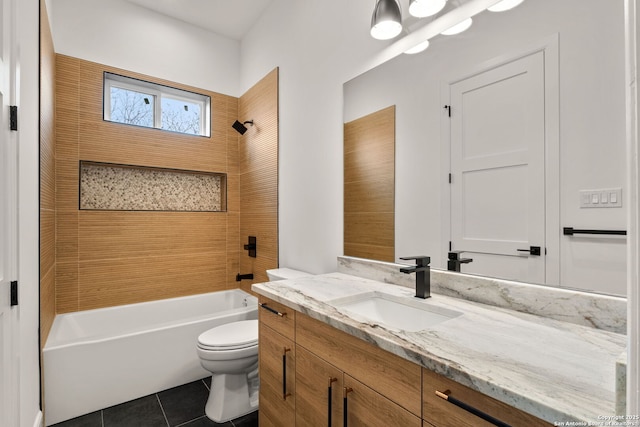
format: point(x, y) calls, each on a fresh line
point(230, 336)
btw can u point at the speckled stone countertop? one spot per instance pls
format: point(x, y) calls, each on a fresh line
point(555, 370)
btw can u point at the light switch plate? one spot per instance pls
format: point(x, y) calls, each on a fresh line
point(601, 198)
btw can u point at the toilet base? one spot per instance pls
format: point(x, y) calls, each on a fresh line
point(232, 396)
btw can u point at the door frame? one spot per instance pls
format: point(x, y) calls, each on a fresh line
point(632, 53)
point(550, 48)
point(9, 220)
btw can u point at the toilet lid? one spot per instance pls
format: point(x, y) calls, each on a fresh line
point(230, 336)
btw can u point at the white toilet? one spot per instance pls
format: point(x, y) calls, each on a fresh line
point(230, 353)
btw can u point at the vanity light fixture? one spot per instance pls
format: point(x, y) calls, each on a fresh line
point(504, 5)
point(458, 28)
point(386, 22)
point(420, 47)
point(424, 8)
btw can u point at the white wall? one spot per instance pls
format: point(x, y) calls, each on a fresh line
point(313, 67)
point(318, 45)
point(121, 34)
point(312, 70)
point(592, 126)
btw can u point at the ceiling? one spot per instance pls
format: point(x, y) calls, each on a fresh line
point(229, 18)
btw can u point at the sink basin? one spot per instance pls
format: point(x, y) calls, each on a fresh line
point(394, 312)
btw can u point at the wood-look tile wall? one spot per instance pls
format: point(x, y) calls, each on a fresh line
point(106, 258)
point(47, 176)
point(259, 178)
point(369, 186)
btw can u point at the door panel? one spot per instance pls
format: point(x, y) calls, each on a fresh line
point(497, 166)
point(511, 223)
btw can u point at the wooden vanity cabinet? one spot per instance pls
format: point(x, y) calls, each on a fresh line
point(278, 317)
point(381, 389)
point(369, 408)
point(305, 362)
point(441, 413)
point(277, 365)
point(317, 381)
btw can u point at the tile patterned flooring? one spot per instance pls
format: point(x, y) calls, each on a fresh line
point(181, 406)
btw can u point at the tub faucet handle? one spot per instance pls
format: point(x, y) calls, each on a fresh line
point(252, 246)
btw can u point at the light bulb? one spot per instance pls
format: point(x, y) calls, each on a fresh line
point(386, 30)
point(458, 28)
point(386, 22)
point(418, 48)
point(504, 5)
point(423, 8)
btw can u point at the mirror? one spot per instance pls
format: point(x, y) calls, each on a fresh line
point(567, 114)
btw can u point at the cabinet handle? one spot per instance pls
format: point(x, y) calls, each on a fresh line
point(284, 373)
point(345, 412)
point(496, 422)
point(329, 411)
point(266, 307)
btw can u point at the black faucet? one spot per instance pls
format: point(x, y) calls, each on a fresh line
point(454, 261)
point(423, 274)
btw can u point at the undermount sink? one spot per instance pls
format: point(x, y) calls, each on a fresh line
point(394, 312)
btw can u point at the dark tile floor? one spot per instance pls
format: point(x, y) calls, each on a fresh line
point(180, 406)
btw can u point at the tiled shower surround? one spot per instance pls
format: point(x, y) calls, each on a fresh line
point(106, 186)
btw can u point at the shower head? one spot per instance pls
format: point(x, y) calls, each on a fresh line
point(240, 127)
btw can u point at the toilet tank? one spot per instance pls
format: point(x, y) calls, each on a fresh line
point(285, 273)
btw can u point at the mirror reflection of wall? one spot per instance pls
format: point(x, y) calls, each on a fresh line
point(576, 47)
point(369, 163)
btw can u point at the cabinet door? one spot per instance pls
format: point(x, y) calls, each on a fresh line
point(363, 407)
point(277, 359)
point(442, 413)
point(318, 391)
point(394, 377)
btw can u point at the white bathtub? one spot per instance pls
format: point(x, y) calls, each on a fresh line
point(98, 358)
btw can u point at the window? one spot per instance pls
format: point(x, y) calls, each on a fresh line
point(140, 103)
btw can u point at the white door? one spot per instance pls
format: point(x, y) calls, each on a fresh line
point(8, 228)
point(497, 166)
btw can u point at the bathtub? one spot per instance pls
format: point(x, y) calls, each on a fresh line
point(98, 358)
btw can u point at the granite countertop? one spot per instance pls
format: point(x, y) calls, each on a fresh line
point(555, 370)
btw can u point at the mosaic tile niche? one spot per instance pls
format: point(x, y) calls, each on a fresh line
point(105, 186)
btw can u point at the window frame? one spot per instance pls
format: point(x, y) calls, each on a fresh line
point(157, 92)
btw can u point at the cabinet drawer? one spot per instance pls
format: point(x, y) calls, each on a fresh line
point(277, 316)
point(366, 408)
point(277, 367)
point(442, 413)
point(393, 377)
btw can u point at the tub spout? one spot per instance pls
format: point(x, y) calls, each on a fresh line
point(240, 277)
